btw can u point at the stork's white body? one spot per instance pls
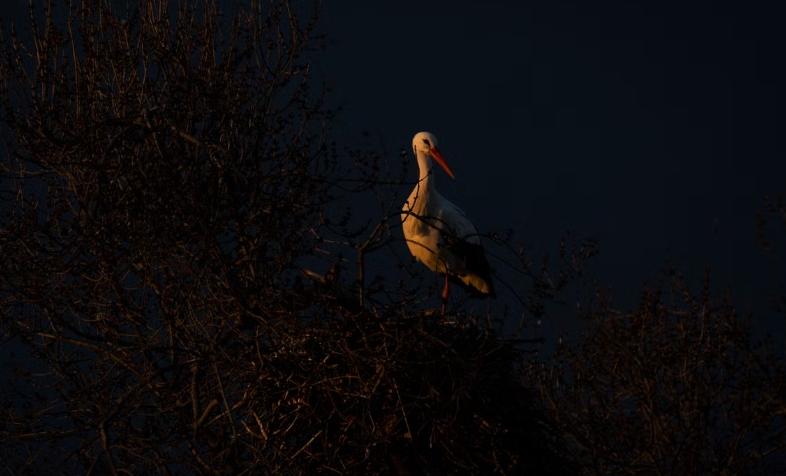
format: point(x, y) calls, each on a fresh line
point(437, 232)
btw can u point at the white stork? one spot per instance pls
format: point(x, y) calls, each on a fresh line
point(438, 233)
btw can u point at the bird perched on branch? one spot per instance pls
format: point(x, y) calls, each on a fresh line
point(437, 232)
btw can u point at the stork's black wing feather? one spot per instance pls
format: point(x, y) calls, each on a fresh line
point(475, 262)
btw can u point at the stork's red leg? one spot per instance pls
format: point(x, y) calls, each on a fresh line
point(445, 294)
point(446, 289)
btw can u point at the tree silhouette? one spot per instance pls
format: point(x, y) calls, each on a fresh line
point(676, 386)
point(168, 191)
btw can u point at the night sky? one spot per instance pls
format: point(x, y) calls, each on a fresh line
point(653, 127)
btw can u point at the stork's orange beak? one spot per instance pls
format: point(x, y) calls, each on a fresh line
point(437, 156)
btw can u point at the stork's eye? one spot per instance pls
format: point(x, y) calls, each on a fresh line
point(425, 141)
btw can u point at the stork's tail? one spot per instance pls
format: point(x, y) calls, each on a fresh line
point(477, 285)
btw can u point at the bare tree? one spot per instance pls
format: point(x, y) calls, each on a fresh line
point(168, 177)
point(677, 386)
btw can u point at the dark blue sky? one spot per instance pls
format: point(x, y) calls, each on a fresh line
point(653, 127)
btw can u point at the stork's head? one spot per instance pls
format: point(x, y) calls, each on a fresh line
point(426, 143)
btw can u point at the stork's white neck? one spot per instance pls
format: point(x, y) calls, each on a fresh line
point(425, 177)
